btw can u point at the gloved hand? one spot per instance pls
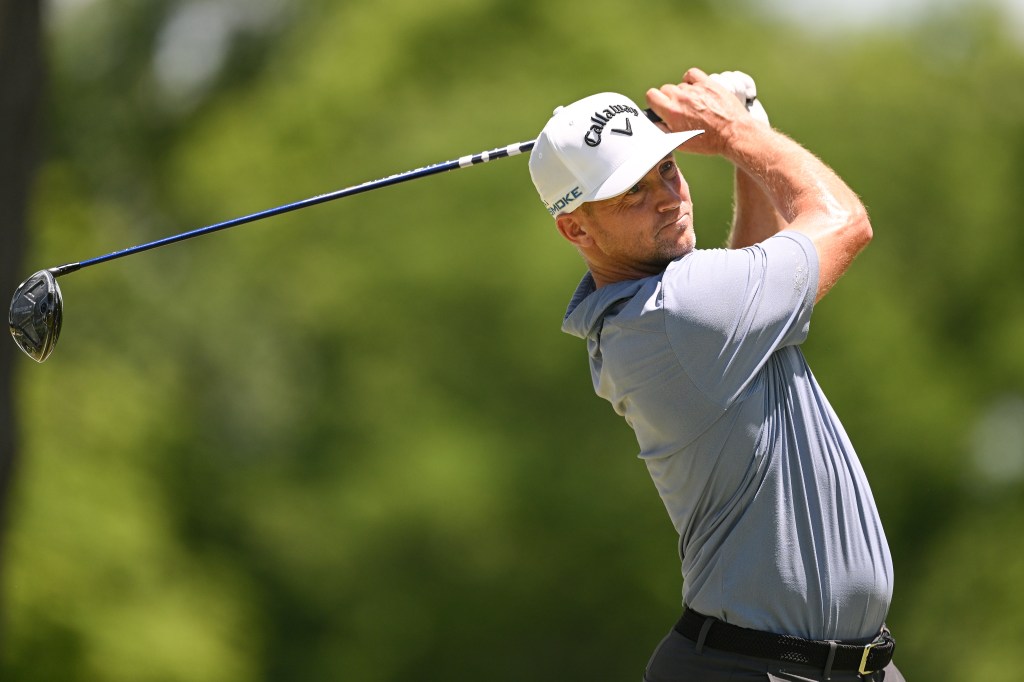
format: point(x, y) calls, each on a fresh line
point(743, 86)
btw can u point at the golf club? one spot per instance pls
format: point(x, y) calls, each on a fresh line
point(37, 307)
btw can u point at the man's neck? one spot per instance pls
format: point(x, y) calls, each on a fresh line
point(604, 276)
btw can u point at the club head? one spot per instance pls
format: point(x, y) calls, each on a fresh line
point(37, 310)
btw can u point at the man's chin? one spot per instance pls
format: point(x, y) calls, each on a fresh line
point(681, 249)
point(666, 259)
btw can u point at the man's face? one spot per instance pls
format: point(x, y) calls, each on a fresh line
point(638, 233)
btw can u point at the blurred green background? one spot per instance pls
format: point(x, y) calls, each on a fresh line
point(351, 443)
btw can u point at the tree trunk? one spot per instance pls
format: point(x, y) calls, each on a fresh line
point(21, 89)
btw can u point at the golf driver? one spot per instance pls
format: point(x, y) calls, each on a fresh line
point(37, 307)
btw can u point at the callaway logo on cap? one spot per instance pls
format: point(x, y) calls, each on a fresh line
point(596, 148)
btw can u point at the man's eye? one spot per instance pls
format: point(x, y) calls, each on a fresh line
point(668, 168)
point(633, 190)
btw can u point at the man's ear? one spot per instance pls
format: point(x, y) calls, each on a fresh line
point(573, 229)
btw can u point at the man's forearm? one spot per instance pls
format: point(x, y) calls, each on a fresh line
point(792, 179)
point(806, 193)
point(754, 216)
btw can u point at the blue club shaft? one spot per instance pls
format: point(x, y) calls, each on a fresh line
point(462, 162)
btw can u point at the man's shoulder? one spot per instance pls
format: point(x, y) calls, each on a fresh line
point(705, 275)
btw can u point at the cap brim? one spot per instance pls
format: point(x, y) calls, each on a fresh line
point(630, 173)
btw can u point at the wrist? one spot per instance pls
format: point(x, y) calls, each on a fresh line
point(741, 139)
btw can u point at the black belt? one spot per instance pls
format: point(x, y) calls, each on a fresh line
point(717, 634)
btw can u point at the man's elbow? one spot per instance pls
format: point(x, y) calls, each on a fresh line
point(858, 228)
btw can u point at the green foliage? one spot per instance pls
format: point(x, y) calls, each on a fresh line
point(351, 442)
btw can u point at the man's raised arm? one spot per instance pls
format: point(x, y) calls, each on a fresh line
point(805, 192)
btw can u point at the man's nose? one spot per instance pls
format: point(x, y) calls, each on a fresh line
point(668, 195)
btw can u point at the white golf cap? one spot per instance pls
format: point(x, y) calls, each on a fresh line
point(596, 148)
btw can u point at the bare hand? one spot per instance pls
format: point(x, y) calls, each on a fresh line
point(698, 102)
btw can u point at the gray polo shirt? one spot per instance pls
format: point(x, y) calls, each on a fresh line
point(777, 526)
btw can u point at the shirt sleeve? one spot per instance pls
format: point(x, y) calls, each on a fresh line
point(727, 311)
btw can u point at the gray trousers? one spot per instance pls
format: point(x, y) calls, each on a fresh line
point(676, 660)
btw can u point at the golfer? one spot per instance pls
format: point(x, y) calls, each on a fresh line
point(786, 570)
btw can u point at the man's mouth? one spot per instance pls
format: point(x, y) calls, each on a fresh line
point(680, 222)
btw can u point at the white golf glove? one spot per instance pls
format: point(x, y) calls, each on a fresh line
point(743, 86)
